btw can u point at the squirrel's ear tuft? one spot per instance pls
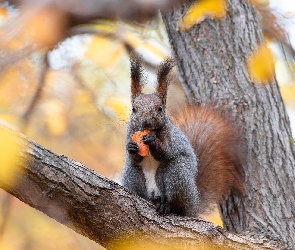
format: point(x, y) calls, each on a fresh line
point(162, 77)
point(136, 76)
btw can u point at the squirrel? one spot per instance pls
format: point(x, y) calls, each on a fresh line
point(195, 156)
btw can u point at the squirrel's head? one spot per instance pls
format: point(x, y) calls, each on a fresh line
point(148, 110)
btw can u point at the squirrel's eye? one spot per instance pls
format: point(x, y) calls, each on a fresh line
point(133, 110)
point(160, 108)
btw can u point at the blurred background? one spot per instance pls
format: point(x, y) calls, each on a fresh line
point(65, 84)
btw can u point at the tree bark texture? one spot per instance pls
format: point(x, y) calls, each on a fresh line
point(105, 212)
point(211, 63)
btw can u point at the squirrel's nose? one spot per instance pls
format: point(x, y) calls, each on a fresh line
point(146, 124)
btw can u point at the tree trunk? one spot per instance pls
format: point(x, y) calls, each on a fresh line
point(211, 64)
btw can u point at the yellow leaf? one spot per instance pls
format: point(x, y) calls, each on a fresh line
point(9, 150)
point(137, 43)
point(260, 64)
point(104, 51)
point(146, 48)
point(156, 51)
point(3, 12)
point(133, 40)
point(141, 241)
point(202, 9)
point(105, 27)
point(138, 242)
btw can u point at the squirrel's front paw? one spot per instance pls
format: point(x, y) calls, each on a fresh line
point(132, 148)
point(161, 205)
point(149, 139)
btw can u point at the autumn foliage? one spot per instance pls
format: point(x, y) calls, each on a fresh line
point(76, 94)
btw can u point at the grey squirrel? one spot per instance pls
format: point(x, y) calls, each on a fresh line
point(194, 158)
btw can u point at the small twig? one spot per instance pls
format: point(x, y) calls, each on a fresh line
point(287, 60)
point(148, 65)
point(271, 26)
point(31, 108)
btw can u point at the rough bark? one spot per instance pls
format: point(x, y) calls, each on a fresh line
point(104, 211)
point(211, 63)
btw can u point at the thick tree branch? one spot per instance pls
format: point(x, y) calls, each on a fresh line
point(104, 211)
point(87, 10)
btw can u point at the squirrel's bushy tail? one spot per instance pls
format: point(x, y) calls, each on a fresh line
point(218, 144)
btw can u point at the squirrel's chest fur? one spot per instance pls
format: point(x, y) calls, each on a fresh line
point(149, 168)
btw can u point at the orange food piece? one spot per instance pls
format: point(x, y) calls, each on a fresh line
point(143, 149)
